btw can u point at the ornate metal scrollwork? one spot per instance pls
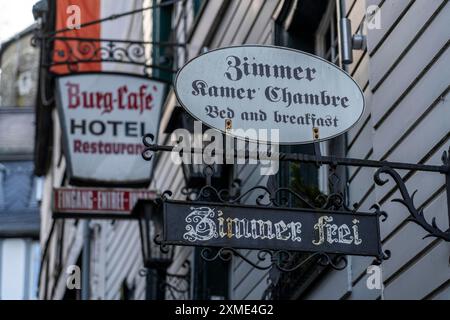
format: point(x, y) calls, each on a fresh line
point(273, 196)
point(179, 285)
point(176, 286)
point(164, 248)
point(407, 200)
point(282, 260)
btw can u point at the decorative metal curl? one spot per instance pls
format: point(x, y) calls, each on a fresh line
point(164, 248)
point(35, 40)
point(223, 195)
point(296, 194)
point(266, 197)
point(279, 284)
point(407, 200)
point(335, 201)
point(282, 260)
point(174, 284)
point(337, 262)
point(143, 272)
point(166, 195)
point(224, 254)
point(382, 214)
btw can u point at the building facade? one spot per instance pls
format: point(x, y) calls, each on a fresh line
point(403, 71)
point(19, 189)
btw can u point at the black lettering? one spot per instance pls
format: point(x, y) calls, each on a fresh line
point(240, 93)
point(282, 72)
point(277, 117)
point(100, 125)
point(335, 121)
point(251, 93)
point(212, 91)
point(230, 113)
point(344, 102)
point(309, 74)
point(325, 99)
point(335, 101)
point(312, 99)
point(114, 125)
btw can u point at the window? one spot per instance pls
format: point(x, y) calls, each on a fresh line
point(197, 6)
point(316, 33)
point(296, 28)
point(327, 37)
point(162, 56)
point(126, 291)
point(71, 294)
point(211, 278)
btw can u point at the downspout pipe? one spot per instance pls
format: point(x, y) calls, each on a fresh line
point(44, 260)
point(345, 34)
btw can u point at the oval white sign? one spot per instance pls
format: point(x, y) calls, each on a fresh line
point(269, 94)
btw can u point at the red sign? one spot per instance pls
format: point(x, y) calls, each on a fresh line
point(97, 202)
point(103, 119)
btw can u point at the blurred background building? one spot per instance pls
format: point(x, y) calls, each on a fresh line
point(19, 207)
point(403, 71)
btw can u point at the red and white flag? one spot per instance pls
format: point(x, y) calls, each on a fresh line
point(128, 27)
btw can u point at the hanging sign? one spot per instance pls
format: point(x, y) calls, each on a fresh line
point(246, 91)
point(250, 227)
point(97, 203)
point(103, 118)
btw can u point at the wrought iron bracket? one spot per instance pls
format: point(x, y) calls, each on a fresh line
point(282, 260)
point(178, 286)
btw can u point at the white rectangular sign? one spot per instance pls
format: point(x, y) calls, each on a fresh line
point(104, 117)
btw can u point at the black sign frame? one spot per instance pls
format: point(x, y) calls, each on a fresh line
point(171, 215)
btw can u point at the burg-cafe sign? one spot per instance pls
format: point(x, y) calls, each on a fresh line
point(262, 87)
